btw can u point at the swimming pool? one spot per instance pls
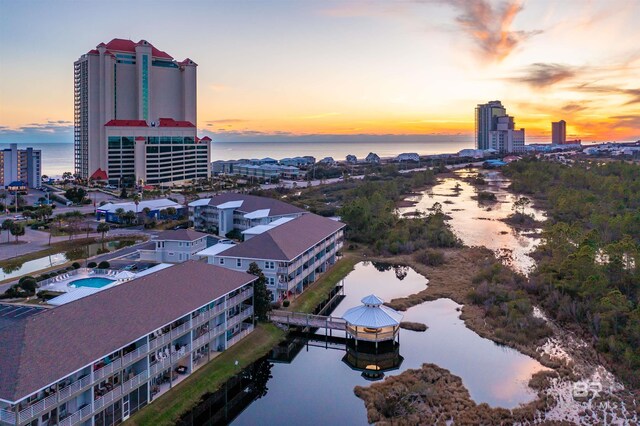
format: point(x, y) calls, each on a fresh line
point(94, 282)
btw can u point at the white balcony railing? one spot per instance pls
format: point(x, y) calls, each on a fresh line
point(179, 330)
point(239, 337)
point(160, 341)
point(107, 369)
point(202, 340)
point(37, 408)
point(132, 356)
point(159, 366)
point(238, 298)
point(107, 398)
point(240, 317)
point(74, 387)
point(135, 381)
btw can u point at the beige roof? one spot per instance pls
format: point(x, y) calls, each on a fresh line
point(287, 241)
point(47, 346)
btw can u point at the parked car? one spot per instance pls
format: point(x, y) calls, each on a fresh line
point(18, 217)
point(225, 241)
point(110, 187)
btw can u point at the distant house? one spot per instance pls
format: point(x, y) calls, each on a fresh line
point(17, 185)
point(352, 159)
point(328, 161)
point(473, 153)
point(372, 158)
point(298, 161)
point(175, 246)
point(408, 156)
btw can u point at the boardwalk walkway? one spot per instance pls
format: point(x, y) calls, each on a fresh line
point(301, 319)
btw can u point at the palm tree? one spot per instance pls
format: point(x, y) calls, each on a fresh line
point(136, 201)
point(6, 226)
point(103, 228)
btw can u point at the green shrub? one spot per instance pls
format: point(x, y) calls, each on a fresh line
point(25, 278)
point(75, 265)
point(286, 303)
point(104, 265)
point(92, 265)
point(430, 257)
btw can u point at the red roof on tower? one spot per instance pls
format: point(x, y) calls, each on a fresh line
point(206, 138)
point(122, 45)
point(140, 138)
point(127, 123)
point(170, 122)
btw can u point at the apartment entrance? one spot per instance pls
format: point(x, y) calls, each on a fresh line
point(125, 408)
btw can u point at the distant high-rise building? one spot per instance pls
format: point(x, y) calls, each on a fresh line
point(496, 130)
point(559, 132)
point(135, 116)
point(486, 120)
point(20, 165)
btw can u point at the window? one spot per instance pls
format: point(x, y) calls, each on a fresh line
point(145, 87)
point(269, 265)
point(239, 263)
point(221, 261)
point(272, 281)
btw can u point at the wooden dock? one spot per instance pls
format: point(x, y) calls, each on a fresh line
point(301, 319)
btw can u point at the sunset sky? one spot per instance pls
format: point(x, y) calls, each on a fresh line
point(277, 70)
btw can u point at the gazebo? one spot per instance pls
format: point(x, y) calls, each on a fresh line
point(372, 321)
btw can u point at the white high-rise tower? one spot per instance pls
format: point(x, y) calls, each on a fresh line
point(135, 116)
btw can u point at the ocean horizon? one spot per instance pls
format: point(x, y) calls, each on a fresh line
point(57, 157)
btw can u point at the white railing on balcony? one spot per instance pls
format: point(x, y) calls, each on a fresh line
point(217, 331)
point(71, 420)
point(202, 317)
point(240, 317)
point(202, 340)
point(107, 369)
point(160, 341)
point(179, 330)
point(160, 366)
point(238, 337)
point(241, 297)
point(86, 411)
point(107, 398)
point(7, 416)
point(74, 387)
point(132, 356)
point(218, 308)
point(38, 408)
point(135, 381)
point(176, 355)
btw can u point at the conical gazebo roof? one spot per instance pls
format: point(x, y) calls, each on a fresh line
point(372, 314)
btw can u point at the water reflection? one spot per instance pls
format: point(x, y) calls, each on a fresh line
point(311, 385)
point(479, 224)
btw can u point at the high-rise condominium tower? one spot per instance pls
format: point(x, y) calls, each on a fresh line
point(135, 116)
point(559, 132)
point(496, 130)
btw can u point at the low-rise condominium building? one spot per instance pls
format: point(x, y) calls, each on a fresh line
point(99, 359)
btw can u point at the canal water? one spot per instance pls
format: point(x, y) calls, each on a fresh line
point(314, 386)
point(480, 224)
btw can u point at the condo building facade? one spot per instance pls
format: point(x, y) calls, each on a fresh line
point(292, 252)
point(20, 165)
point(225, 212)
point(496, 130)
point(99, 359)
point(135, 116)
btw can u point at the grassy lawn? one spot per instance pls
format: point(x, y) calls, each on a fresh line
point(317, 292)
point(170, 406)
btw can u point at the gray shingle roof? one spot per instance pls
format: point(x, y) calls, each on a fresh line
point(252, 203)
point(180, 235)
point(287, 241)
point(47, 346)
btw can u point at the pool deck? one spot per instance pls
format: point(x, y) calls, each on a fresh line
point(62, 282)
